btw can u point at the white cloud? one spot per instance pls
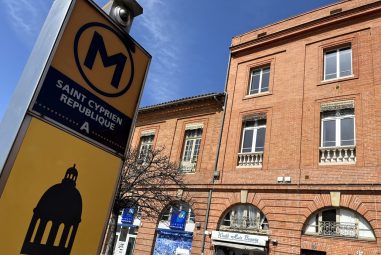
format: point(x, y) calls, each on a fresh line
point(161, 37)
point(25, 16)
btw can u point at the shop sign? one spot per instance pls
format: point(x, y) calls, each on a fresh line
point(240, 238)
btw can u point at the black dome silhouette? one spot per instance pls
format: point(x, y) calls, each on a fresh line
point(60, 198)
point(61, 206)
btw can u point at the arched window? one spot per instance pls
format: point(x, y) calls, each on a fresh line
point(244, 218)
point(339, 222)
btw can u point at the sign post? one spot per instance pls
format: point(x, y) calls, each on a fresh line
point(72, 114)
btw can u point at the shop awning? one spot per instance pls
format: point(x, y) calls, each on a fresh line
point(238, 246)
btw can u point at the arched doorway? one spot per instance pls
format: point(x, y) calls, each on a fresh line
point(174, 233)
point(243, 230)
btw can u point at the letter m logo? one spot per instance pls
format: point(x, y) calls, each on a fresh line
point(119, 60)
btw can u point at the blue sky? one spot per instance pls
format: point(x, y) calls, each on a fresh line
point(188, 39)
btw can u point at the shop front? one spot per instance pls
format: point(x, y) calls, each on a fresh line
point(230, 243)
point(243, 230)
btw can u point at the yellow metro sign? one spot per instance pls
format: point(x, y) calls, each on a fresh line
point(94, 80)
point(57, 188)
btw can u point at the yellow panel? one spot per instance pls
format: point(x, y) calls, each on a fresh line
point(42, 162)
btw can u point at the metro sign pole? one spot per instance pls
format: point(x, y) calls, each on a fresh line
point(66, 131)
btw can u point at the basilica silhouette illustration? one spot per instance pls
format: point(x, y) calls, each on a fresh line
point(56, 218)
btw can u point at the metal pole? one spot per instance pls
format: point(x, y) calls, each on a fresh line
point(216, 162)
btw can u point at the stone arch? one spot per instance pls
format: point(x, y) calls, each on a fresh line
point(351, 201)
point(253, 198)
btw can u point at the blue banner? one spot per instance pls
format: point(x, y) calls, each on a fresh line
point(128, 216)
point(178, 220)
point(67, 103)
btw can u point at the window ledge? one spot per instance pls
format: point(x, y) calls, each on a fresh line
point(345, 78)
point(262, 94)
point(337, 164)
point(341, 237)
point(247, 167)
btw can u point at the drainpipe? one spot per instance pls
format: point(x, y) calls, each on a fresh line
point(215, 172)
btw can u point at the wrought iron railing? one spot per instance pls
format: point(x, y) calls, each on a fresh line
point(252, 159)
point(245, 225)
point(331, 228)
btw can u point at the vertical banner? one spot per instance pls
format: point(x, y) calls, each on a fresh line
point(178, 220)
point(128, 216)
point(57, 186)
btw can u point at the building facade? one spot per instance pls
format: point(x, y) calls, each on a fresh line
point(298, 167)
point(188, 129)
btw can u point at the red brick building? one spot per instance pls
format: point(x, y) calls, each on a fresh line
point(298, 170)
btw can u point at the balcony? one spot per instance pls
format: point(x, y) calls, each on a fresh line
point(338, 155)
point(245, 225)
point(251, 159)
point(331, 228)
point(187, 167)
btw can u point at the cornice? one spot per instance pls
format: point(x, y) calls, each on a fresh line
point(309, 26)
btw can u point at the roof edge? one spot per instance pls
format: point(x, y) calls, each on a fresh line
point(181, 101)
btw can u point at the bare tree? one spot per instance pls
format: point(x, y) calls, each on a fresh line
point(149, 182)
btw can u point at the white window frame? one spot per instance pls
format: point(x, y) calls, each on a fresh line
point(194, 139)
point(337, 63)
point(142, 144)
point(337, 129)
point(260, 80)
point(254, 142)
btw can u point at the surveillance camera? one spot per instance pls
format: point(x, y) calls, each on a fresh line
point(122, 16)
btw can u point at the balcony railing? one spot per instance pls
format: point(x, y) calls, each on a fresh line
point(251, 159)
point(331, 228)
point(338, 155)
point(245, 225)
point(187, 167)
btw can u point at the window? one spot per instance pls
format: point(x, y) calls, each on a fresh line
point(338, 128)
point(338, 140)
point(146, 142)
point(191, 148)
point(244, 218)
point(253, 143)
point(253, 137)
point(259, 80)
point(338, 63)
point(339, 222)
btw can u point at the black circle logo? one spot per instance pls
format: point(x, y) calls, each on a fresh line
point(104, 59)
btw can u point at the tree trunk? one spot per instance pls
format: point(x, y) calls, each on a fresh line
point(110, 240)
